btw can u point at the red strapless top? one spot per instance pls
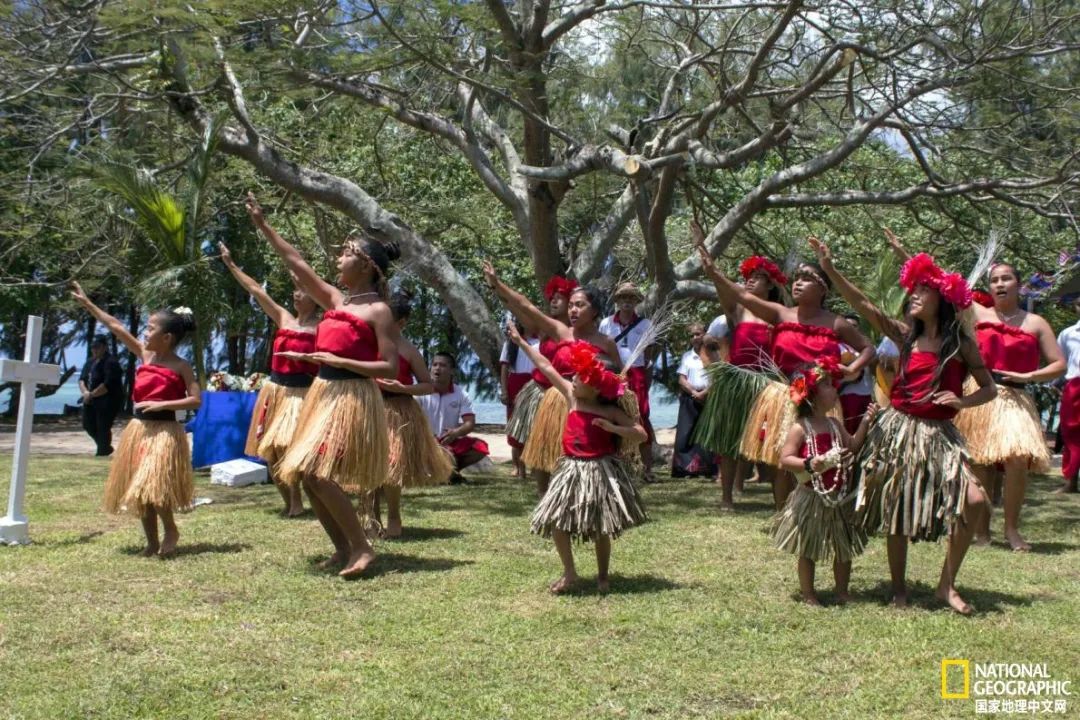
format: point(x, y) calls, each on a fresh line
point(547, 349)
point(1004, 347)
point(582, 439)
point(404, 371)
point(824, 444)
point(911, 393)
point(751, 344)
point(157, 382)
point(293, 341)
point(347, 336)
point(795, 344)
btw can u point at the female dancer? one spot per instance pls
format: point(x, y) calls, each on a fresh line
point(818, 522)
point(416, 458)
point(803, 334)
point(914, 481)
point(273, 423)
point(150, 475)
point(592, 494)
point(543, 446)
point(341, 444)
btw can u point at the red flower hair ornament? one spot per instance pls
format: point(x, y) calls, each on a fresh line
point(757, 263)
point(922, 270)
point(983, 298)
point(592, 372)
point(804, 383)
point(558, 285)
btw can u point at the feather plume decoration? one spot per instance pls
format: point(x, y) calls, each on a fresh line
point(987, 252)
point(661, 322)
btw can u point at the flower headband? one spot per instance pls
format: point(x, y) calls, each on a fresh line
point(922, 270)
point(983, 298)
point(559, 285)
point(183, 310)
point(814, 275)
point(805, 383)
point(592, 372)
point(757, 263)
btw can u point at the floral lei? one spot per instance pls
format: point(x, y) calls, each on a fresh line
point(758, 263)
point(804, 383)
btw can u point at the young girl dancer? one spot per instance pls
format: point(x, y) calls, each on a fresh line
point(341, 443)
point(818, 523)
point(151, 475)
point(801, 334)
point(542, 448)
point(592, 495)
point(416, 458)
point(1007, 431)
point(515, 372)
point(913, 477)
point(277, 409)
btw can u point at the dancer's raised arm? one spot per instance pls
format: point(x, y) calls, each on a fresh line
point(898, 249)
point(322, 292)
point(536, 321)
point(277, 314)
point(116, 327)
point(729, 293)
point(892, 328)
point(542, 363)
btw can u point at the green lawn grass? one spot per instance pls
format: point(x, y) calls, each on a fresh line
point(455, 621)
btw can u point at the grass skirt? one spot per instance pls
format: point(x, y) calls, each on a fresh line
point(544, 446)
point(341, 436)
point(588, 498)
point(1006, 428)
point(525, 406)
point(151, 466)
point(265, 407)
point(281, 428)
point(809, 528)
point(732, 393)
point(416, 457)
point(912, 476)
point(769, 422)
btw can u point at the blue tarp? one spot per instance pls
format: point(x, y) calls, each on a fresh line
point(219, 429)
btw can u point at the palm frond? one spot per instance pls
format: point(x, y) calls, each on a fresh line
point(154, 211)
point(199, 167)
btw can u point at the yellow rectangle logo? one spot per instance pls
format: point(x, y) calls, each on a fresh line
point(964, 665)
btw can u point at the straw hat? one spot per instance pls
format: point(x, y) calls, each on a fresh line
point(627, 290)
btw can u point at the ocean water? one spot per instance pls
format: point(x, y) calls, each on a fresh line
point(664, 410)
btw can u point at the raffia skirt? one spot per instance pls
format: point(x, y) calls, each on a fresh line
point(544, 445)
point(416, 457)
point(280, 429)
point(769, 422)
point(912, 476)
point(589, 498)
point(151, 467)
point(525, 407)
point(810, 528)
point(1006, 428)
point(733, 391)
point(340, 437)
point(265, 406)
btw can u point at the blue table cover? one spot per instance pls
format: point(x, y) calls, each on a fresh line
point(219, 428)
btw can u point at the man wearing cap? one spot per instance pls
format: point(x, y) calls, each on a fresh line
point(627, 329)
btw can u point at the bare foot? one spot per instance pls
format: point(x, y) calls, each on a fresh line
point(954, 601)
point(563, 584)
point(981, 540)
point(151, 550)
point(842, 598)
point(727, 506)
point(811, 600)
point(168, 543)
point(603, 585)
point(899, 600)
point(392, 530)
point(331, 562)
point(357, 563)
point(1016, 542)
point(1066, 489)
point(295, 512)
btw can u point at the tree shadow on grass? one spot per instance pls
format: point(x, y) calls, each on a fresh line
point(391, 564)
point(80, 540)
point(921, 597)
point(201, 548)
point(625, 585)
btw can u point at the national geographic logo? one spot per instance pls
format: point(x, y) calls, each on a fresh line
point(1005, 688)
point(959, 671)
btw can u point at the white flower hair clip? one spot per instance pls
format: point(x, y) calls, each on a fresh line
point(183, 310)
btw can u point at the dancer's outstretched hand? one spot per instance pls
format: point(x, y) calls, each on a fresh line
point(707, 263)
point(490, 276)
point(894, 242)
point(77, 291)
point(824, 255)
point(226, 256)
point(254, 209)
point(512, 333)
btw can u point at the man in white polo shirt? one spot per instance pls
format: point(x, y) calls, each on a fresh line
point(1069, 341)
point(450, 414)
point(627, 329)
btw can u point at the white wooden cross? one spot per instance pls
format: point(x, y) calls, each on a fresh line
point(14, 527)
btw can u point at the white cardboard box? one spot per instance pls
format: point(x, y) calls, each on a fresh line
point(237, 473)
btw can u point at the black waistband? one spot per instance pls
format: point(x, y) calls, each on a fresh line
point(156, 415)
point(326, 372)
point(1010, 383)
point(292, 379)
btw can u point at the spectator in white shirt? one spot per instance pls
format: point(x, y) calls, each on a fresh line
point(451, 415)
point(689, 460)
point(1069, 341)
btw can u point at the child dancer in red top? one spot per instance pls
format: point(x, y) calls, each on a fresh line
point(150, 475)
point(818, 523)
point(592, 494)
point(277, 409)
